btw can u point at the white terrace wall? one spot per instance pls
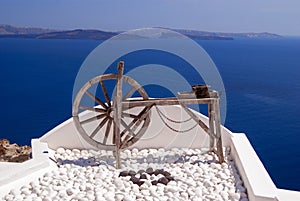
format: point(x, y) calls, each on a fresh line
point(157, 134)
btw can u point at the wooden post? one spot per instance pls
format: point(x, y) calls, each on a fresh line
point(211, 117)
point(218, 130)
point(118, 113)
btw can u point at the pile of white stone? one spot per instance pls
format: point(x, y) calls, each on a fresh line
point(91, 175)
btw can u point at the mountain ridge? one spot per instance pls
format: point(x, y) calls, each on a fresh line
point(10, 31)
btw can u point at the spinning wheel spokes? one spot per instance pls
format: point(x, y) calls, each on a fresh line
point(97, 100)
point(107, 130)
point(135, 124)
point(105, 93)
point(93, 119)
point(98, 127)
point(95, 122)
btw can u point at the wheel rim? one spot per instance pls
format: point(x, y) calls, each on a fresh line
point(93, 112)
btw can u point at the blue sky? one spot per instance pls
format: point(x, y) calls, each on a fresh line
point(276, 16)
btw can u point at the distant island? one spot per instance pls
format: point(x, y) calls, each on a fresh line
point(9, 31)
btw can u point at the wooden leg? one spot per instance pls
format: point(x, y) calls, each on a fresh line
point(118, 159)
point(211, 117)
point(218, 131)
point(118, 113)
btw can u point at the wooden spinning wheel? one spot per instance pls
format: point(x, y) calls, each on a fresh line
point(98, 127)
point(118, 120)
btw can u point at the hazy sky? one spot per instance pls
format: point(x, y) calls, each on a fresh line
point(276, 16)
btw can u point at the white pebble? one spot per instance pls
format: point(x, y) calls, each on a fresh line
point(109, 196)
point(68, 152)
point(172, 183)
point(184, 195)
point(145, 192)
point(172, 189)
point(60, 150)
point(198, 192)
point(128, 198)
point(92, 197)
point(235, 196)
point(148, 198)
point(119, 197)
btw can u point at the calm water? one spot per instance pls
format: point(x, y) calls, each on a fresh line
point(261, 78)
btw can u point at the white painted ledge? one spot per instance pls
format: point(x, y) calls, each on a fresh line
point(157, 134)
point(287, 195)
point(15, 175)
point(260, 186)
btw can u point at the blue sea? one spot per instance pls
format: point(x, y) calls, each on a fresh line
point(261, 78)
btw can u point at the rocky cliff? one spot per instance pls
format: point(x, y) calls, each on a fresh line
point(13, 152)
